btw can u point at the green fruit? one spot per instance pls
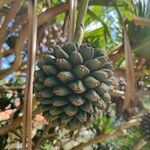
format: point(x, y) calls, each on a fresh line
point(77, 87)
point(45, 101)
point(91, 82)
point(107, 65)
point(59, 101)
point(102, 59)
point(109, 72)
point(92, 64)
point(61, 91)
point(65, 76)
point(60, 53)
point(72, 84)
point(106, 97)
point(76, 100)
point(81, 116)
point(56, 122)
point(87, 107)
point(54, 118)
point(92, 95)
point(46, 94)
point(39, 74)
point(41, 63)
point(55, 110)
point(51, 81)
point(69, 48)
point(81, 71)
point(110, 81)
point(76, 58)
point(65, 118)
point(100, 75)
point(87, 52)
point(71, 110)
point(63, 64)
point(145, 126)
point(49, 69)
point(38, 86)
point(49, 59)
point(102, 88)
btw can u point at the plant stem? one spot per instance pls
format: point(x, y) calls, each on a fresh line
point(72, 14)
point(27, 119)
point(80, 20)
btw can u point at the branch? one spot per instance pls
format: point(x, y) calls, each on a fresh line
point(105, 137)
point(80, 20)
point(46, 16)
point(11, 13)
point(51, 13)
point(4, 30)
point(141, 21)
point(17, 52)
point(32, 39)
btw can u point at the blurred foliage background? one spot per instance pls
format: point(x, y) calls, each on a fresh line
point(104, 25)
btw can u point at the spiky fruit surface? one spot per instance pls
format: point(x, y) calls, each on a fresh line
point(72, 84)
point(145, 126)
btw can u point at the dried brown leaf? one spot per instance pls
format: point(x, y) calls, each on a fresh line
point(130, 75)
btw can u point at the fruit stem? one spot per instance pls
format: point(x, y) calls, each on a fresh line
point(72, 15)
point(80, 20)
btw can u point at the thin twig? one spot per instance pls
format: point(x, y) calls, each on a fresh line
point(51, 13)
point(105, 137)
point(140, 145)
point(42, 137)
